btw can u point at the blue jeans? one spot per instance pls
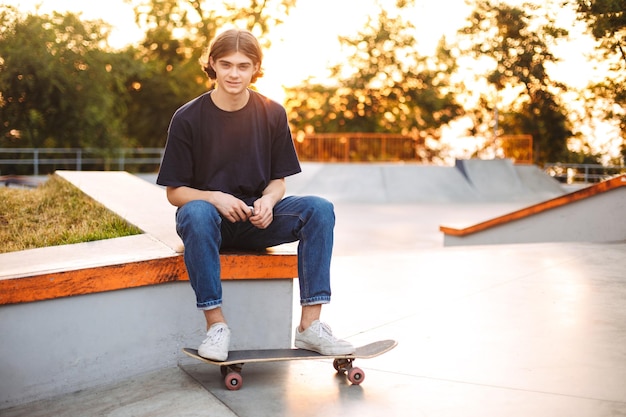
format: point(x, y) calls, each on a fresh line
point(309, 220)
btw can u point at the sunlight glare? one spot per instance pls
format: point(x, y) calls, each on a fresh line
point(115, 12)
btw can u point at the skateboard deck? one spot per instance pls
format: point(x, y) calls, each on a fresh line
point(231, 367)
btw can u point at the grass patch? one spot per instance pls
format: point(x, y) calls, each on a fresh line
point(55, 213)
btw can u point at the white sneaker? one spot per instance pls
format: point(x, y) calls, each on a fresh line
point(215, 346)
point(319, 338)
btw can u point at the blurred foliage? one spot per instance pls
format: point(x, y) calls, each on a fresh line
point(383, 85)
point(176, 34)
point(606, 21)
point(56, 83)
point(516, 49)
point(61, 85)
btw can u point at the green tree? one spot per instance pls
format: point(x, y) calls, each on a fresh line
point(154, 90)
point(606, 20)
point(56, 84)
point(385, 85)
point(176, 34)
point(62, 86)
point(184, 26)
point(517, 45)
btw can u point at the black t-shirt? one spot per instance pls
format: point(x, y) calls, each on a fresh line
point(238, 152)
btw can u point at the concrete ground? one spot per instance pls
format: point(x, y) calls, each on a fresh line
point(508, 330)
point(512, 330)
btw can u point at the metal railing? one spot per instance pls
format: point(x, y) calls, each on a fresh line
point(48, 160)
point(582, 173)
point(321, 147)
point(389, 147)
point(356, 147)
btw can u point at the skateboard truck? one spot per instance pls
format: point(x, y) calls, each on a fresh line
point(355, 375)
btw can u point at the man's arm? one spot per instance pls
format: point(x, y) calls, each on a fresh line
point(230, 207)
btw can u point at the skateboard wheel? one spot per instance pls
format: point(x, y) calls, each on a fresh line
point(356, 376)
point(233, 381)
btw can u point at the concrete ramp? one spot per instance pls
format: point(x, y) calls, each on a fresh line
point(469, 181)
point(341, 182)
point(492, 179)
point(427, 184)
point(538, 182)
point(593, 214)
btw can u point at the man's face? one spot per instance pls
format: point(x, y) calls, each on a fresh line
point(234, 72)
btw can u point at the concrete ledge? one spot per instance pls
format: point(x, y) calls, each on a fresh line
point(79, 316)
point(128, 262)
point(68, 344)
point(592, 214)
point(116, 264)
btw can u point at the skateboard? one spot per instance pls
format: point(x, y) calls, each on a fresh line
point(232, 366)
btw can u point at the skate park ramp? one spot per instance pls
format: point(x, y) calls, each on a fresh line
point(591, 214)
point(468, 181)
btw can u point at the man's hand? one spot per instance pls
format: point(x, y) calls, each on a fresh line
point(231, 208)
point(263, 213)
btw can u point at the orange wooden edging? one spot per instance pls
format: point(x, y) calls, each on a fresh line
point(590, 191)
point(235, 266)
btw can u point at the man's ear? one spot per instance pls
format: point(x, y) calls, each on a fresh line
point(212, 63)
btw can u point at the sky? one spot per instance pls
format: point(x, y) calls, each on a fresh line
point(306, 44)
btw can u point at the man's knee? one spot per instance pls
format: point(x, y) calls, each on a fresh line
point(321, 209)
point(196, 215)
point(196, 210)
point(325, 205)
